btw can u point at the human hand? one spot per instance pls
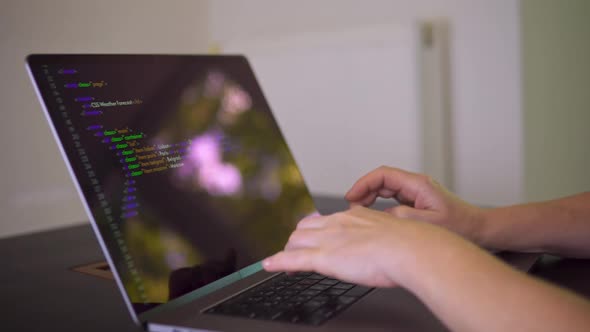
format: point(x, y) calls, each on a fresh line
point(421, 198)
point(363, 246)
point(440, 268)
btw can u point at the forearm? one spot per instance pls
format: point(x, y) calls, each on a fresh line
point(560, 226)
point(470, 290)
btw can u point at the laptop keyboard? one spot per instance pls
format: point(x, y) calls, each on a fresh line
point(305, 298)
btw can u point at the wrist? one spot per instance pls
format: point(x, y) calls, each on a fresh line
point(423, 249)
point(404, 255)
point(434, 260)
point(483, 235)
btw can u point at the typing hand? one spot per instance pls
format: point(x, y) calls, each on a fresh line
point(362, 246)
point(420, 197)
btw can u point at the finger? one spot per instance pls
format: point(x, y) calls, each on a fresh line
point(390, 209)
point(386, 193)
point(303, 238)
point(312, 215)
point(403, 200)
point(368, 199)
point(311, 221)
point(291, 261)
point(391, 182)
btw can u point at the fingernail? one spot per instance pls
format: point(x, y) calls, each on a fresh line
point(266, 262)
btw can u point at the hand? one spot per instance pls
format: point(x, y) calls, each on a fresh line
point(374, 248)
point(362, 246)
point(421, 198)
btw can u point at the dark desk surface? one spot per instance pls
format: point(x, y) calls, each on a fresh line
point(40, 292)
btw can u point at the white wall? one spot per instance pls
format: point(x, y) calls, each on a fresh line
point(485, 72)
point(316, 84)
point(35, 190)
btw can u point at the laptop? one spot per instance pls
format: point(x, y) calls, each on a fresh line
point(188, 184)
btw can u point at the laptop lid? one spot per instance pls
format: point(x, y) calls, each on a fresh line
point(180, 164)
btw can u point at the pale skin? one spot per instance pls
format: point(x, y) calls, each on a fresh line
point(432, 246)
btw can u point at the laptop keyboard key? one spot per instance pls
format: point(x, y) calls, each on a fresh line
point(358, 291)
point(335, 291)
point(346, 299)
point(254, 299)
point(307, 298)
point(308, 282)
point(311, 305)
point(310, 292)
point(319, 287)
point(343, 285)
point(305, 274)
point(300, 298)
point(328, 282)
point(298, 287)
point(289, 316)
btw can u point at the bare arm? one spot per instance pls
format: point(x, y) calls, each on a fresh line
point(559, 226)
point(468, 289)
point(471, 290)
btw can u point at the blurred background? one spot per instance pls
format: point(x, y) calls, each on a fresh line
point(492, 98)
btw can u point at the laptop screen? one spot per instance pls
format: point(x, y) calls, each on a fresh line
point(180, 163)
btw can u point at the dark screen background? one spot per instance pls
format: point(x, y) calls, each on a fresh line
point(181, 163)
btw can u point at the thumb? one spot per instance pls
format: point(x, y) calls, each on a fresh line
point(408, 212)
